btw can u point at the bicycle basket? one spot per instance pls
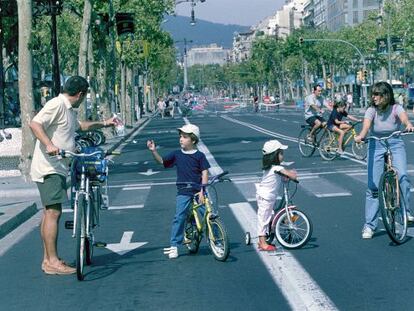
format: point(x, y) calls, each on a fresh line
point(95, 166)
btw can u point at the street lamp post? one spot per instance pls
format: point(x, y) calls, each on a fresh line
point(193, 4)
point(380, 18)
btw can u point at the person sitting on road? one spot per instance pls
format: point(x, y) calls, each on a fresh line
point(268, 188)
point(382, 118)
point(335, 123)
point(314, 111)
point(192, 171)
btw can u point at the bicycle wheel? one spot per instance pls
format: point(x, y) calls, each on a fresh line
point(393, 209)
point(306, 145)
point(213, 197)
point(80, 232)
point(328, 147)
point(218, 239)
point(192, 235)
point(359, 150)
point(294, 229)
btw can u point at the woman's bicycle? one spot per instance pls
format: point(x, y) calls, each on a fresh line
point(89, 172)
point(329, 145)
point(203, 217)
point(390, 196)
point(291, 227)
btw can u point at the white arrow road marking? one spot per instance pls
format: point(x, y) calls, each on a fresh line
point(149, 172)
point(125, 245)
point(245, 141)
point(298, 287)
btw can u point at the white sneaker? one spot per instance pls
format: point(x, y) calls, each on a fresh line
point(172, 252)
point(367, 233)
point(410, 217)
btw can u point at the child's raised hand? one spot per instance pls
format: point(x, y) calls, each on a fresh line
point(151, 145)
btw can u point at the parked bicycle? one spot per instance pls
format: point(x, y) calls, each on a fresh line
point(89, 174)
point(291, 227)
point(204, 218)
point(391, 198)
point(328, 148)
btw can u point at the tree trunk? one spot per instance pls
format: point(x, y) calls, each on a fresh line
point(24, 8)
point(128, 100)
point(122, 92)
point(83, 49)
point(92, 79)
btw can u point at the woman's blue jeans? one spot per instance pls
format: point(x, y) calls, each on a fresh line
point(376, 152)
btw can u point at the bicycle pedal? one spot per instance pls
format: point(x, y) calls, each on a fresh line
point(105, 201)
point(213, 216)
point(99, 244)
point(69, 224)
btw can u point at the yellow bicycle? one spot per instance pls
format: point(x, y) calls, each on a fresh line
point(328, 148)
point(203, 217)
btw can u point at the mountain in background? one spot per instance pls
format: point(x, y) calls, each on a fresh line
point(202, 33)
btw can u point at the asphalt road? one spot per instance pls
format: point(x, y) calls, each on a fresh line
point(336, 270)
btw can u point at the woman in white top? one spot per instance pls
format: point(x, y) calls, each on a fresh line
point(268, 188)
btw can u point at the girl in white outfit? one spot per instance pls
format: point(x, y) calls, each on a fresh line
point(268, 189)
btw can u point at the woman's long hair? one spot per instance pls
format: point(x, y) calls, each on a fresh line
point(271, 159)
point(386, 92)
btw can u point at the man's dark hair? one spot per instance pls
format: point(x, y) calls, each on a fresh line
point(74, 85)
point(316, 86)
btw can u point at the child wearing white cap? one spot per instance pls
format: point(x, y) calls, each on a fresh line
point(192, 172)
point(268, 188)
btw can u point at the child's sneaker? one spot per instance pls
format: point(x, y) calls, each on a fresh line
point(172, 252)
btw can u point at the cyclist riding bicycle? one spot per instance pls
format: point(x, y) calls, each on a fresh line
point(313, 109)
point(335, 123)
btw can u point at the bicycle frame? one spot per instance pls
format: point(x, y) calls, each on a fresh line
point(285, 204)
point(202, 223)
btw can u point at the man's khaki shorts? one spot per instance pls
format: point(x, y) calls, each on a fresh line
point(53, 191)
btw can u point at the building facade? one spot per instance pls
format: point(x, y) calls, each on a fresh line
point(207, 55)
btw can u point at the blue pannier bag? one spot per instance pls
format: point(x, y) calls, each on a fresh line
point(96, 165)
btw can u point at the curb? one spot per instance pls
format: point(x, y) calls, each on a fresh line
point(16, 220)
point(10, 220)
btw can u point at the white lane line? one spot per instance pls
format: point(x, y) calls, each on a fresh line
point(330, 195)
point(296, 285)
point(118, 207)
point(136, 188)
point(126, 207)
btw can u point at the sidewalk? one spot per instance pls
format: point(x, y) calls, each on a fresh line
point(20, 200)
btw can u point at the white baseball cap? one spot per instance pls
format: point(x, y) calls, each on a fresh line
point(272, 145)
point(190, 129)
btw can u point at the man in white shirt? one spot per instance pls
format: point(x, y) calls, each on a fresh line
point(54, 127)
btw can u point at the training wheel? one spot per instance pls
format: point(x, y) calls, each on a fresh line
point(248, 238)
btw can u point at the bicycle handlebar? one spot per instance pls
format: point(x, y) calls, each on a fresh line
point(400, 133)
point(286, 176)
point(65, 153)
point(212, 180)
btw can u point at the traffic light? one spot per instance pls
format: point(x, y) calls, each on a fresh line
point(300, 40)
point(365, 75)
point(360, 76)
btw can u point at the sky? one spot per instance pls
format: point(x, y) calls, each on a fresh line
point(239, 12)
